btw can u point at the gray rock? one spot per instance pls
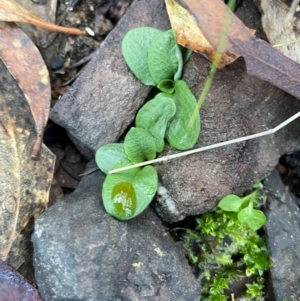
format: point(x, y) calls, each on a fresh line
point(103, 101)
point(237, 105)
point(283, 239)
point(82, 253)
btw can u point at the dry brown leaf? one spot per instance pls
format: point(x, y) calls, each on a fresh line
point(26, 65)
point(11, 11)
point(24, 105)
point(261, 58)
point(189, 35)
point(25, 183)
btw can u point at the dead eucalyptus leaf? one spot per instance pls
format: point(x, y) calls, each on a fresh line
point(27, 66)
point(11, 11)
point(262, 60)
point(189, 35)
point(25, 183)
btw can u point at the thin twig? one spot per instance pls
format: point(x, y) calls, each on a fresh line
point(201, 149)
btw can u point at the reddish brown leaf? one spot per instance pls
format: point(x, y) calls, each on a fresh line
point(27, 66)
point(189, 35)
point(14, 287)
point(262, 59)
point(11, 11)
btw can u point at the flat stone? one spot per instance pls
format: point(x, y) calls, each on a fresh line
point(104, 99)
point(283, 240)
point(82, 253)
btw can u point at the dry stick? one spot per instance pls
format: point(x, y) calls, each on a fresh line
point(52, 27)
point(201, 149)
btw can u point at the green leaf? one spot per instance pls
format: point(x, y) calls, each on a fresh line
point(258, 185)
point(186, 53)
point(154, 117)
point(165, 58)
point(178, 54)
point(167, 86)
point(139, 145)
point(184, 128)
point(253, 218)
point(231, 202)
point(110, 155)
point(135, 47)
point(127, 194)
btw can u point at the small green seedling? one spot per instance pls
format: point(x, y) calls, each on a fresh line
point(245, 207)
point(156, 60)
point(226, 248)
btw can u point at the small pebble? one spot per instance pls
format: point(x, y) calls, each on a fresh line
point(57, 62)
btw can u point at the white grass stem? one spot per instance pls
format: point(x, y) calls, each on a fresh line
point(287, 43)
point(205, 148)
